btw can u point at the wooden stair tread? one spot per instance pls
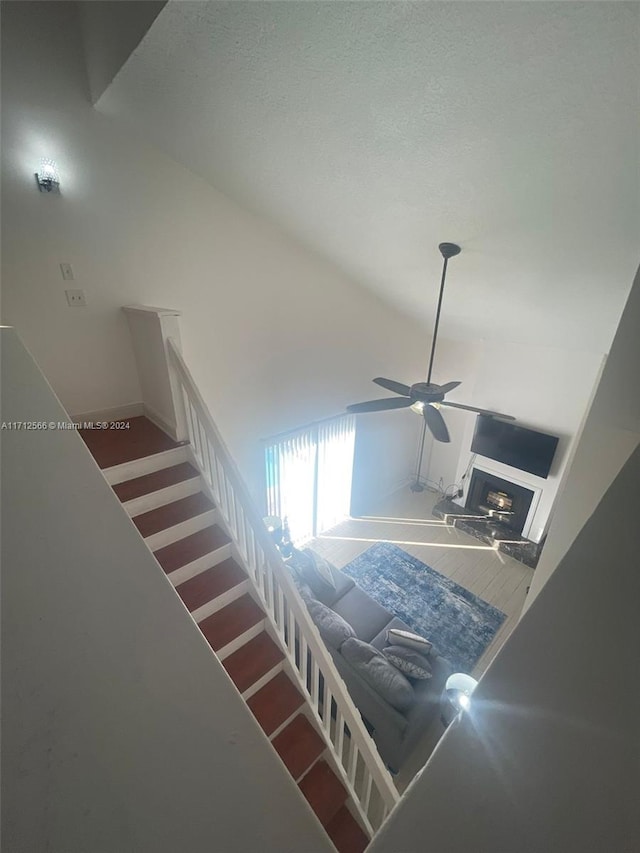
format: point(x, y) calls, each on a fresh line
point(252, 661)
point(298, 745)
point(149, 483)
point(186, 550)
point(171, 514)
point(111, 447)
point(233, 620)
point(324, 791)
point(275, 702)
point(210, 584)
point(346, 833)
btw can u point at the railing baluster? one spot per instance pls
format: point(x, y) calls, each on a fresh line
point(281, 610)
point(357, 758)
point(315, 683)
point(224, 497)
point(260, 574)
point(203, 446)
point(235, 526)
point(229, 499)
point(213, 473)
point(326, 708)
point(368, 784)
point(253, 557)
point(291, 635)
point(271, 596)
point(189, 418)
point(338, 740)
point(303, 659)
point(196, 437)
point(353, 761)
point(246, 536)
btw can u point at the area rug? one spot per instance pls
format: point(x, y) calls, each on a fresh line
point(458, 623)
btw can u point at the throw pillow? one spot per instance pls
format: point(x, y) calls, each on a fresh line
point(396, 637)
point(379, 673)
point(406, 660)
point(334, 630)
point(318, 572)
point(314, 570)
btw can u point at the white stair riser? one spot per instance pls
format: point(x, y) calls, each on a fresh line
point(162, 497)
point(240, 641)
point(146, 465)
point(322, 757)
point(181, 531)
point(184, 573)
point(221, 601)
point(262, 682)
point(284, 725)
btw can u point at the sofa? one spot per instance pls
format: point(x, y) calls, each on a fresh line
point(395, 732)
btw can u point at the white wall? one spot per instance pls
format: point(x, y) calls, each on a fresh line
point(274, 336)
point(379, 461)
point(454, 361)
point(545, 388)
point(610, 435)
point(121, 731)
point(111, 31)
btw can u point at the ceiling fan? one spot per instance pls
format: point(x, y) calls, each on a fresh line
point(426, 397)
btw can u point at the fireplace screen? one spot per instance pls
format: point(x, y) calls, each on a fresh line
point(499, 500)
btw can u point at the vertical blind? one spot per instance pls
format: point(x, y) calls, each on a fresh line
point(309, 473)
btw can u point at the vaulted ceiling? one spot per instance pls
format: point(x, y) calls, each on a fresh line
point(373, 131)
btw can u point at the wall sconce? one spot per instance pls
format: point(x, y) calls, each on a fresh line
point(47, 177)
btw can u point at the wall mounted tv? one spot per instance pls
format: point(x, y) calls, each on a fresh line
point(514, 445)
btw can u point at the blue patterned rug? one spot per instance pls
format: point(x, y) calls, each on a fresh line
point(458, 623)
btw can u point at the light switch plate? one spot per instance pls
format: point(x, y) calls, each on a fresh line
point(67, 271)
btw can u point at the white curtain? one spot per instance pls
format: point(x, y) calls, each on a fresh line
point(309, 475)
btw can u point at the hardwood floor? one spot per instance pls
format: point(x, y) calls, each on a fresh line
point(405, 519)
point(140, 438)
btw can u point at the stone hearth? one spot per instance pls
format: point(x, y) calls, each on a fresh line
point(489, 531)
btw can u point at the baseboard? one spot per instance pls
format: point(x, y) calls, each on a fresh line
point(159, 421)
point(116, 413)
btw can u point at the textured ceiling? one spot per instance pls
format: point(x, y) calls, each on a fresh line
point(373, 131)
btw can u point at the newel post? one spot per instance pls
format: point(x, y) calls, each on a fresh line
point(150, 329)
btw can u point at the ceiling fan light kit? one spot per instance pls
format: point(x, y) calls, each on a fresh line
point(425, 398)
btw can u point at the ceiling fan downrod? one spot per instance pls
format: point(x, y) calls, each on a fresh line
point(447, 250)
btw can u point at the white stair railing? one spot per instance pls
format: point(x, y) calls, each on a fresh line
point(355, 755)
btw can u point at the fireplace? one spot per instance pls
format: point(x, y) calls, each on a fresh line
point(507, 503)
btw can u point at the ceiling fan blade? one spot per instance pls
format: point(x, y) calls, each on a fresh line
point(379, 405)
point(479, 411)
point(449, 386)
point(436, 423)
point(396, 387)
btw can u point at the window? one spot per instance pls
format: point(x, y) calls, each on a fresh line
point(309, 474)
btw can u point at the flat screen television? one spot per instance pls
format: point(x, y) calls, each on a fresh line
point(514, 445)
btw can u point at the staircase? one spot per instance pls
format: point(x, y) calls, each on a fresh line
point(171, 505)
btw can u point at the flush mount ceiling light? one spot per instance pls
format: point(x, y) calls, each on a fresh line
point(425, 398)
point(47, 177)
